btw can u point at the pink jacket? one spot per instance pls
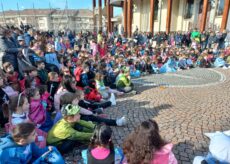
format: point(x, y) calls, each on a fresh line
point(45, 98)
point(37, 113)
point(164, 156)
point(95, 49)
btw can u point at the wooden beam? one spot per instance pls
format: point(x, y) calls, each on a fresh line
point(204, 15)
point(125, 16)
point(225, 15)
point(100, 15)
point(152, 5)
point(111, 16)
point(130, 17)
point(169, 15)
point(108, 16)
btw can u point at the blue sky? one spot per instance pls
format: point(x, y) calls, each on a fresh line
point(72, 4)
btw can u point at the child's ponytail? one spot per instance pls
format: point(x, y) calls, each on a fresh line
point(16, 101)
point(102, 137)
point(30, 92)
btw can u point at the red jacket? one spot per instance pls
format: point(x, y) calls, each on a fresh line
point(77, 73)
point(12, 78)
point(92, 94)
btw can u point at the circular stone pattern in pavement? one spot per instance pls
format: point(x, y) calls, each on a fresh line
point(197, 77)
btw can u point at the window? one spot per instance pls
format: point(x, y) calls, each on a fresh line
point(220, 8)
point(189, 9)
point(156, 7)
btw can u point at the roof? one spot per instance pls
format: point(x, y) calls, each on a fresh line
point(84, 13)
point(36, 12)
point(10, 12)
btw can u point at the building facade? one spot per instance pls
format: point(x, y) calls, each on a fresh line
point(186, 14)
point(46, 19)
point(173, 15)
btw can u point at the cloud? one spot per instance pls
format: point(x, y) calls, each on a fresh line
point(22, 7)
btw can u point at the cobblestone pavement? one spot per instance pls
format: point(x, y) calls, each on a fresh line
point(185, 104)
point(183, 113)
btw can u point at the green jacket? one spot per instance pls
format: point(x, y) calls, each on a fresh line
point(195, 34)
point(63, 130)
point(122, 81)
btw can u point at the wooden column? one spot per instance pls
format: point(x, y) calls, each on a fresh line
point(125, 16)
point(225, 15)
point(169, 14)
point(152, 3)
point(111, 15)
point(94, 18)
point(108, 16)
point(100, 15)
point(204, 15)
point(130, 16)
point(105, 2)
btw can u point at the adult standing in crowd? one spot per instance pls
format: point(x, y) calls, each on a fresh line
point(8, 48)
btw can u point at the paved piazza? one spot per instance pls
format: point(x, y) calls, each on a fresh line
point(185, 104)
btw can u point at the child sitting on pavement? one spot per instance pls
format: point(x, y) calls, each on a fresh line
point(101, 149)
point(70, 131)
point(103, 90)
point(123, 83)
point(145, 145)
point(87, 115)
point(20, 147)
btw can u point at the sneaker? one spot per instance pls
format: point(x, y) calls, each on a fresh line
point(224, 67)
point(120, 93)
point(112, 99)
point(133, 92)
point(121, 121)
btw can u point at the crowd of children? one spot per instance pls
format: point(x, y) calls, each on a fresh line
point(54, 92)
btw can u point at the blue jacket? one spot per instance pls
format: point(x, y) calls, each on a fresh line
point(219, 62)
point(84, 80)
point(13, 153)
point(51, 58)
point(27, 39)
point(169, 66)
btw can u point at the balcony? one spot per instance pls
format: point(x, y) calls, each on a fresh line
point(117, 3)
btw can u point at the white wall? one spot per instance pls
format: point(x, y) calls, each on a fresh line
point(141, 17)
point(218, 21)
point(228, 24)
point(174, 15)
point(136, 15)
